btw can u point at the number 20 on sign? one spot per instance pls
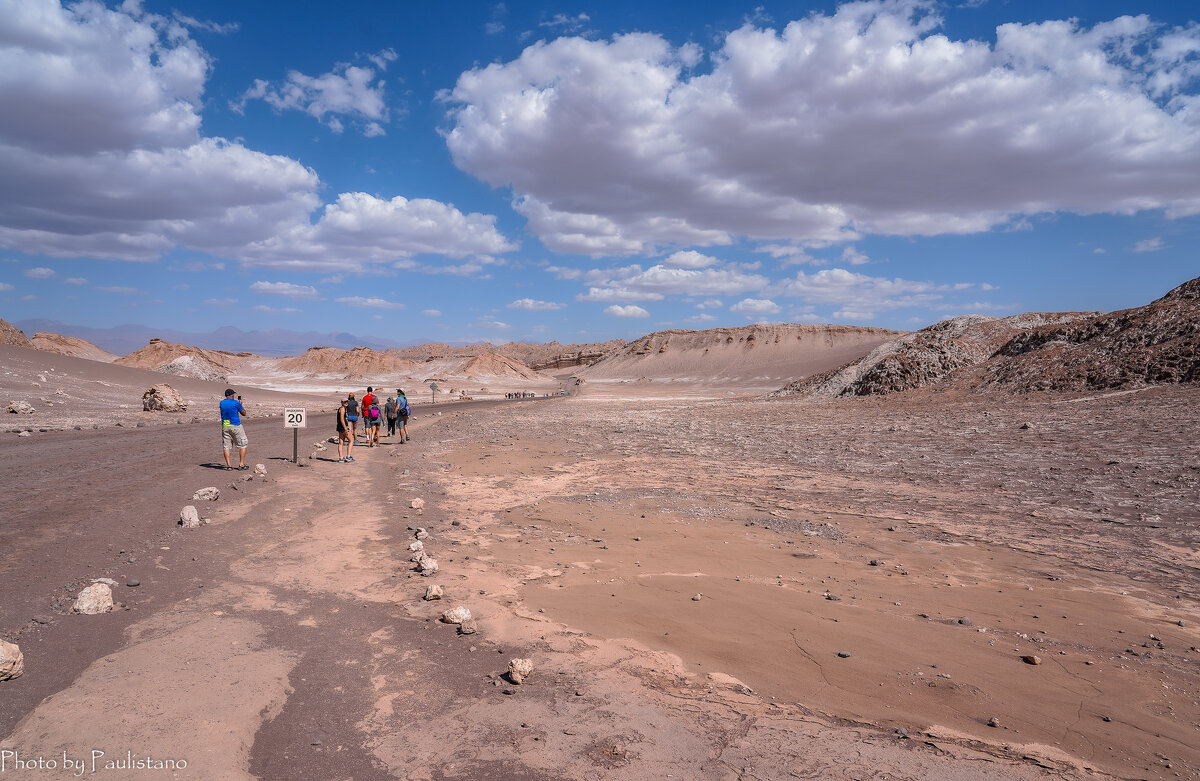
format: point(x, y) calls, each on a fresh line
point(293, 417)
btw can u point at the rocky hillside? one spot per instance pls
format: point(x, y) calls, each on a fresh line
point(1074, 351)
point(70, 345)
point(356, 363)
point(1154, 344)
point(756, 353)
point(184, 361)
point(924, 357)
point(10, 334)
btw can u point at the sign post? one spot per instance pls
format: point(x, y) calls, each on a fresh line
point(295, 419)
point(433, 391)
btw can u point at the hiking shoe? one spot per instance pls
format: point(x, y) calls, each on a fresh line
point(349, 458)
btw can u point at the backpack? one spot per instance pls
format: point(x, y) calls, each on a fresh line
point(402, 406)
point(373, 411)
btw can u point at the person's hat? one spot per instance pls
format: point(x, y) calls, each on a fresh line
point(400, 391)
point(345, 400)
point(230, 392)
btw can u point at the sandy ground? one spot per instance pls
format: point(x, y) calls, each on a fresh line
point(870, 575)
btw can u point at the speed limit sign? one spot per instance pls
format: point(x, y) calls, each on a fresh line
point(293, 417)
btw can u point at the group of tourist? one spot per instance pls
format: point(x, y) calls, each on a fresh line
point(372, 415)
point(395, 412)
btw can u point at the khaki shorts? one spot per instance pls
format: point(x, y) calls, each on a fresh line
point(232, 436)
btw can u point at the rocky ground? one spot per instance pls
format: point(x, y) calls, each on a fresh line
point(923, 586)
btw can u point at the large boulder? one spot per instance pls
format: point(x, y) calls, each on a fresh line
point(96, 598)
point(163, 398)
point(20, 408)
point(519, 670)
point(12, 661)
point(456, 615)
point(189, 518)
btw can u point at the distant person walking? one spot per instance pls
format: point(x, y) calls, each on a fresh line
point(373, 417)
point(367, 400)
point(232, 433)
point(389, 412)
point(403, 411)
point(352, 416)
point(345, 443)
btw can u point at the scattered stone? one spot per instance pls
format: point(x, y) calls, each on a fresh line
point(12, 661)
point(433, 592)
point(1031, 659)
point(519, 670)
point(1107, 718)
point(106, 581)
point(416, 546)
point(993, 722)
point(833, 597)
point(20, 408)
point(876, 562)
point(260, 470)
point(421, 534)
point(697, 597)
point(189, 518)
point(844, 654)
point(456, 615)
point(133, 583)
point(468, 627)
point(964, 621)
point(210, 494)
point(428, 566)
point(163, 398)
point(25, 434)
point(418, 504)
point(1025, 426)
point(96, 598)
point(1180, 622)
point(41, 619)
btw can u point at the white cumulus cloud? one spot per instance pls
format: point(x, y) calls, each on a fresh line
point(632, 310)
point(533, 305)
point(369, 303)
point(285, 289)
point(755, 306)
point(866, 120)
point(1149, 245)
point(41, 273)
point(860, 296)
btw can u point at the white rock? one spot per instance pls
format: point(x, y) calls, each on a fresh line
point(456, 615)
point(42, 378)
point(418, 504)
point(433, 592)
point(260, 469)
point(25, 434)
point(421, 534)
point(468, 627)
point(163, 398)
point(210, 494)
point(418, 556)
point(416, 546)
point(12, 661)
point(189, 518)
point(20, 407)
point(428, 566)
point(96, 598)
point(106, 581)
point(519, 670)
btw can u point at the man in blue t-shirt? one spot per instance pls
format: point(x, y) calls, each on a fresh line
point(232, 432)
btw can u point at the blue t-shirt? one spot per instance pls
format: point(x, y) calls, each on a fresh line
point(231, 409)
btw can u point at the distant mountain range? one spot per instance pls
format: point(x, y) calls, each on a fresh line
point(124, 339)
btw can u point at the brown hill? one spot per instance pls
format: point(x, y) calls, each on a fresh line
point(753, 353)
point(359, 362)
point(183, 360)
point(922, 358)
point(1154, 344)
point(10, 334)
point(497, 365)
point(70, 345)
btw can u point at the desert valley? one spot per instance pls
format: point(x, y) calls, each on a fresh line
point(970, 551)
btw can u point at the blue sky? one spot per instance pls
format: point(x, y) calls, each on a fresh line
point(579, 172)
